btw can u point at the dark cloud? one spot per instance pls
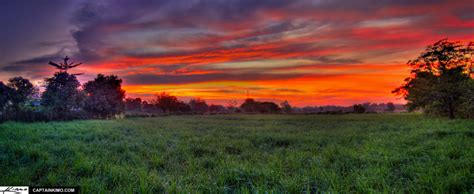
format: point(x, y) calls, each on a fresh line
point(289, 90)
point(196, 78)
point(216, 31)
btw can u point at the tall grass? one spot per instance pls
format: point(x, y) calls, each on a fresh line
point(243, 153)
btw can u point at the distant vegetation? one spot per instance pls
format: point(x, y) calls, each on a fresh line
point(441, 84)
point(356, 153)
point(64, 98)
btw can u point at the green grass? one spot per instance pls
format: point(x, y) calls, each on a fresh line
point(243, 153)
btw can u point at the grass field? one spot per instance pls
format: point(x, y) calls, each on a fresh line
point(241, 153)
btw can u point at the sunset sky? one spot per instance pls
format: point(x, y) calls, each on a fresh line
point(309, 52)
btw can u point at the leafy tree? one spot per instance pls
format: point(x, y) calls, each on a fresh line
point(133, 104)
point(438, 75)
point(198, 105)
point(467, 106)
point(390, 107)
point(21, 91)
point(104, 96)
point(62, 96)
point(5, 93)
point(249, 105)
point(149, 107)
point(358, 108)
point(286, 107)
point(267, 107)
point(166, 102)
point(217, 108)
point(183, 107)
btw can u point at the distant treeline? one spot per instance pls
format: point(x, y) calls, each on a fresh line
point(102, 98)
point(441, 84)
point(165, 103)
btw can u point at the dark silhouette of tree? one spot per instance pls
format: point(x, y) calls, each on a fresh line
point(5, 93)
point(198, 105)
point(217, 109)
point(21, 91)
point(62, 96)
point(249, 105)
point(183, 107)
point(267, 107)
point(133, 104)
point(104, 96)
point(64, 66)
point(286, 107)
point(149, 107)
point(166, 102)
point(390, 107)
point(438, 75)
point(358, 108)
point(467, 106)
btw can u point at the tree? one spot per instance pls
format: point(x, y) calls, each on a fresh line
point(166, 102)
point(467, 106)
point(62, 96)
point(358, 108)
point(5, 93)
point(104, 96)
point(133, 104)
point(390, 107)
point(286, 107)
point(249, 105)
point(217, 109)
point(64, 66)
point(436, 79)
point(198, 105)
point(20, 93)
point(183, 107)
point(267, 107)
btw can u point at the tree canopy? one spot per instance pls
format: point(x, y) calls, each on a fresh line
point(104, 96)
point(62, 95)
point(439, 79)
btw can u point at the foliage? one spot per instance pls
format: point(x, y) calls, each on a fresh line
point(250, 105)
point(366, 153)
point(437, 76)
point(217, 109)
point(390, 107)
point(183, 107)
point(104, 96)
point(133, 104)
point(358, 108)
point(198, 105)
point(166, 102)
point(5, 93)
point(62, 98)
point(467, 98)
point(286, 107)
point(21, 90)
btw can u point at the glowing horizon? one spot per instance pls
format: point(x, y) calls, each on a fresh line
point(310, 53)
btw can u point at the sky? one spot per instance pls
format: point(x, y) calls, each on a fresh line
point(309, 52)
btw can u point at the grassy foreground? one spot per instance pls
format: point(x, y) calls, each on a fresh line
point(228, 153)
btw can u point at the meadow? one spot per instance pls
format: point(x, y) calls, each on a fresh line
point(362, 153)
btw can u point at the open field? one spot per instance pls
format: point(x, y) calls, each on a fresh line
point(340, 153)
